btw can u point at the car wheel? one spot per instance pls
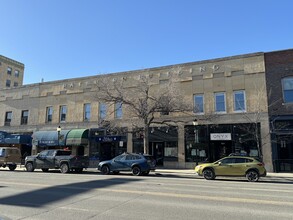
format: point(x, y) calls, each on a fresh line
point(208, 174)
point(252, 176)
point(105, 170)
point(29, 167)
point(45, 169)
point(12, 167)
point(64, 168)
point(136, 171)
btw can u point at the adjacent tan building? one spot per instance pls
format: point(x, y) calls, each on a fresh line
point(11, 73)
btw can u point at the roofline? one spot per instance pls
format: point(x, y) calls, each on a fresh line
point(11, 61)
point(150, 69)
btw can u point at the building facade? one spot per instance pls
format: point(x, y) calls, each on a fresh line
point(279, 78)
point(228, 96)
point(11, 73)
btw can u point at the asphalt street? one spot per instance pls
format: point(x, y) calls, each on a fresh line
point(161, 195)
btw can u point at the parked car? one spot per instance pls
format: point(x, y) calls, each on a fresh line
point(138, 164)
point(248, 167)
point(10, 157)
point(56, 159)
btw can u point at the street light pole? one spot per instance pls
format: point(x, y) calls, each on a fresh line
point(58, 135)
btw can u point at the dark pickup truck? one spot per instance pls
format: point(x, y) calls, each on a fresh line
point(56, 159)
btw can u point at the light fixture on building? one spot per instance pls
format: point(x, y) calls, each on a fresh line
point(58, 134)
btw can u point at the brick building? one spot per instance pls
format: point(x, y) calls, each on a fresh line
point(279, 78)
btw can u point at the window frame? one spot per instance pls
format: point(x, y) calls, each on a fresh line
point(118, 110)
point(16, 73)
point(24, 118)
point(8, 83)
point(216, 95)
point(87, 112)
point(237, 101)
point(201, 105)
point(8, 120)
point(63, 113)
point(9, 70)
point(49, 110)
point(283, 81)
point(102, 110)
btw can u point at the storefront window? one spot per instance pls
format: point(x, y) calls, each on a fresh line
point(196, 145)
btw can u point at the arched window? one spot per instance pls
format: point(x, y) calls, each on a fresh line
point(287, 84)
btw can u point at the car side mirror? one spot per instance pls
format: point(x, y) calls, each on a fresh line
point(220, 163)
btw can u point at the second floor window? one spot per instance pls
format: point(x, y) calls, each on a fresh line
point(220, 102)
point(9, 70)
point(87, 112)
point(198, 103)
point(102, 111)
point(239, 101)
point(49, 114)
point(287, 84)
point(118, 110)
point(63, 112)
point(24, 117)
point(8, 117)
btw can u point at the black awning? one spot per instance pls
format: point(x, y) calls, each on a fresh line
point(49, 138)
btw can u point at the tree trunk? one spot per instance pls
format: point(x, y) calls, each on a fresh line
point(146, 140)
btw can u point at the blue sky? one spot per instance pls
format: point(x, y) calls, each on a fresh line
point(62, 39)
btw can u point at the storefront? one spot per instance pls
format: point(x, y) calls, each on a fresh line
point(163, 144)
point(205, 143)
point(105, 145)
point(75, 140)
point(22, 141)
point(282, 143)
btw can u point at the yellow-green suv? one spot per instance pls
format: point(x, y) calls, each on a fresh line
point(248, 167)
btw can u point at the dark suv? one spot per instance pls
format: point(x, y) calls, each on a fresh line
point(138, 164)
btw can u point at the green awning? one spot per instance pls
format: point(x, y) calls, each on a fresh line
point(77, 137)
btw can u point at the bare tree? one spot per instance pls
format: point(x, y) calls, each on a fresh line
point(257, 112)
point(144, 101)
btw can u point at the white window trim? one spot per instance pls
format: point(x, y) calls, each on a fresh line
point(215, 103)
point(234, 101)
point(203, 103)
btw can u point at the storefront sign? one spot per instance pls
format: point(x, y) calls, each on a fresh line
point(220, 136)
point(108, 139)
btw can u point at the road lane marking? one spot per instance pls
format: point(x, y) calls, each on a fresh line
point(210, 198)
point(167, 194)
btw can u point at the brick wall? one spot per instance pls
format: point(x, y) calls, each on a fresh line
point(278, 65)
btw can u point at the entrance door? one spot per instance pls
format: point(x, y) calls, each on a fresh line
point(157, 150)
point(220, 149)
point(107, 151)
point(285, 153)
